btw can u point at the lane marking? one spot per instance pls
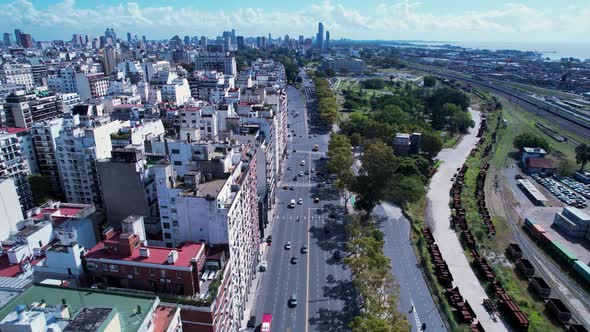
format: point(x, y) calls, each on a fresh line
point(415, 312)
point(307, 273)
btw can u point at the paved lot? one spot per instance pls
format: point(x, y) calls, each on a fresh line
point(322, 285)
point(438, 213)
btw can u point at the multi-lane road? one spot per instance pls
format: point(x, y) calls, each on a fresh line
point(321, 283)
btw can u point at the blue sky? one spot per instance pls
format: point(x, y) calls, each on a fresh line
point(454, 20)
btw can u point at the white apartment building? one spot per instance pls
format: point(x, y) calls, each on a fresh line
point(68, 101)
point(17, 73)
point(13, 164)
point(177, 92)
point(78, 149)
point(199, 122)
point(91, 86)
point(222, 62)
point(210, 206)
point(10, 218)
point(64, 81)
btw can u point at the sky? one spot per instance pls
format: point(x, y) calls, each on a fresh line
point(565, 21)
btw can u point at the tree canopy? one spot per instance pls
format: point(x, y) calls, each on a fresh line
point(582, 155)
point(530, 140)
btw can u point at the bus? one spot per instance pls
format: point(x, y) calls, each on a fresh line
point(266, 319)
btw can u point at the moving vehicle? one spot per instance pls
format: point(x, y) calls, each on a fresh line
point(300, 173)
point(293, 260)
point(316, 200)
point(288, 245)
point(251, 322)
point(304, 250)
point(302, 163)
point(300, 201)
point(292, 301)
point(263, 266)
point(292, 204)
point(266, 320)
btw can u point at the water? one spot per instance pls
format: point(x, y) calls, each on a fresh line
point(554, 51)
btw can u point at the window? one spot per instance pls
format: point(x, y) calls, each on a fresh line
point(167, 235)
point(105, 267)
point(151, 271)
point(178, 163)
point(179, 274)
point(166, 225)
point(91, 266)
point(175, 151)
point(113, 268)
point(135, 270)
point(163, 273)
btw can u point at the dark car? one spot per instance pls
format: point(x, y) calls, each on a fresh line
point(294, 260)
point(337, 255)
point(251, 322)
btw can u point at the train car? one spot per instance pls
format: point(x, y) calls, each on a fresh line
point(582, 271)
point(562, 255)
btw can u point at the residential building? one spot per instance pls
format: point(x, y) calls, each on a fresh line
point(320, 36)
point(64, 81)
point(58, 308)
point(178, 92)
point(24, 108)
point(327, 41)
point(128, 187)
point(406, 144)
point(10, 218)
point(17, 73)
point(91, 85)
point(222, 62)
point(39, 69)
point(67, 101)
point(13, 164)
point(78, 149)
point(215, 203)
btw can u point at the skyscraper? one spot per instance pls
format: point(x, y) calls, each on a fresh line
point(144, 39)
point(327, 42)
point(240, 42)
point(320, 36)
point(129, 37)
point(7, 41)
point(17, 36)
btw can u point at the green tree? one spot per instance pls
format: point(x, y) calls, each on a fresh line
point(408, 189)
point(375, 176)
point(41, 188)
point(530, 140)
point(366, 323)
point(460, 121)
point(356, 139)
point(582, 155)
point(429, 81)
point(431, 144)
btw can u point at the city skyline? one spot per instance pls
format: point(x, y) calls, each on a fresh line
point(522, 21)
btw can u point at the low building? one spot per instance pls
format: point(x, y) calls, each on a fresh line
point(121, 260)
point(345, 65)
point(41, 307)
point(533, 161)
point(573, 222)
point(406, 144)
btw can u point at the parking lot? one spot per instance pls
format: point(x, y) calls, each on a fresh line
point(544, 215)
point(565, 189)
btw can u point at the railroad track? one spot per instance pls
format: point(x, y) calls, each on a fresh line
point(540, 263)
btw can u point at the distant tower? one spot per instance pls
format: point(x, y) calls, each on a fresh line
point(240, 41)
point(17, 36)
point(7, 41)
point(129, 37)
point(327, 42)
point(320, 36)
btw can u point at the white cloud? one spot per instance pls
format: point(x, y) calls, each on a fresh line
point(402, 20)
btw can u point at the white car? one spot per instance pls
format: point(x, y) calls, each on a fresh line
point(300, 201)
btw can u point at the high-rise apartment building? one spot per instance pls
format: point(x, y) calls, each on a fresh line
point(9, 216)
point(78, 149)
point(240, 42)
point(17, 73)
point(24, 108)
point(327, 42)
point(17, 36)
point(13, 164)
point(222, 62)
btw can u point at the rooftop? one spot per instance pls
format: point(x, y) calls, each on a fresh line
point(540, 163)
point(76, 299)
point(89, 320)
point(163, 317)
point(534, 150)
point(157, 255)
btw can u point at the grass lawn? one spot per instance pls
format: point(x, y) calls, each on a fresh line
point(520, 121)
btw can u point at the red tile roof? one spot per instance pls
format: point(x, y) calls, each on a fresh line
point(540, 163)
point(13, 270)
point(13, 130)
point(162, 318)
point(61, 212)
point(158, 255)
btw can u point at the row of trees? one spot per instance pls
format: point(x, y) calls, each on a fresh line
point(378, 292)
point(327, 104)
